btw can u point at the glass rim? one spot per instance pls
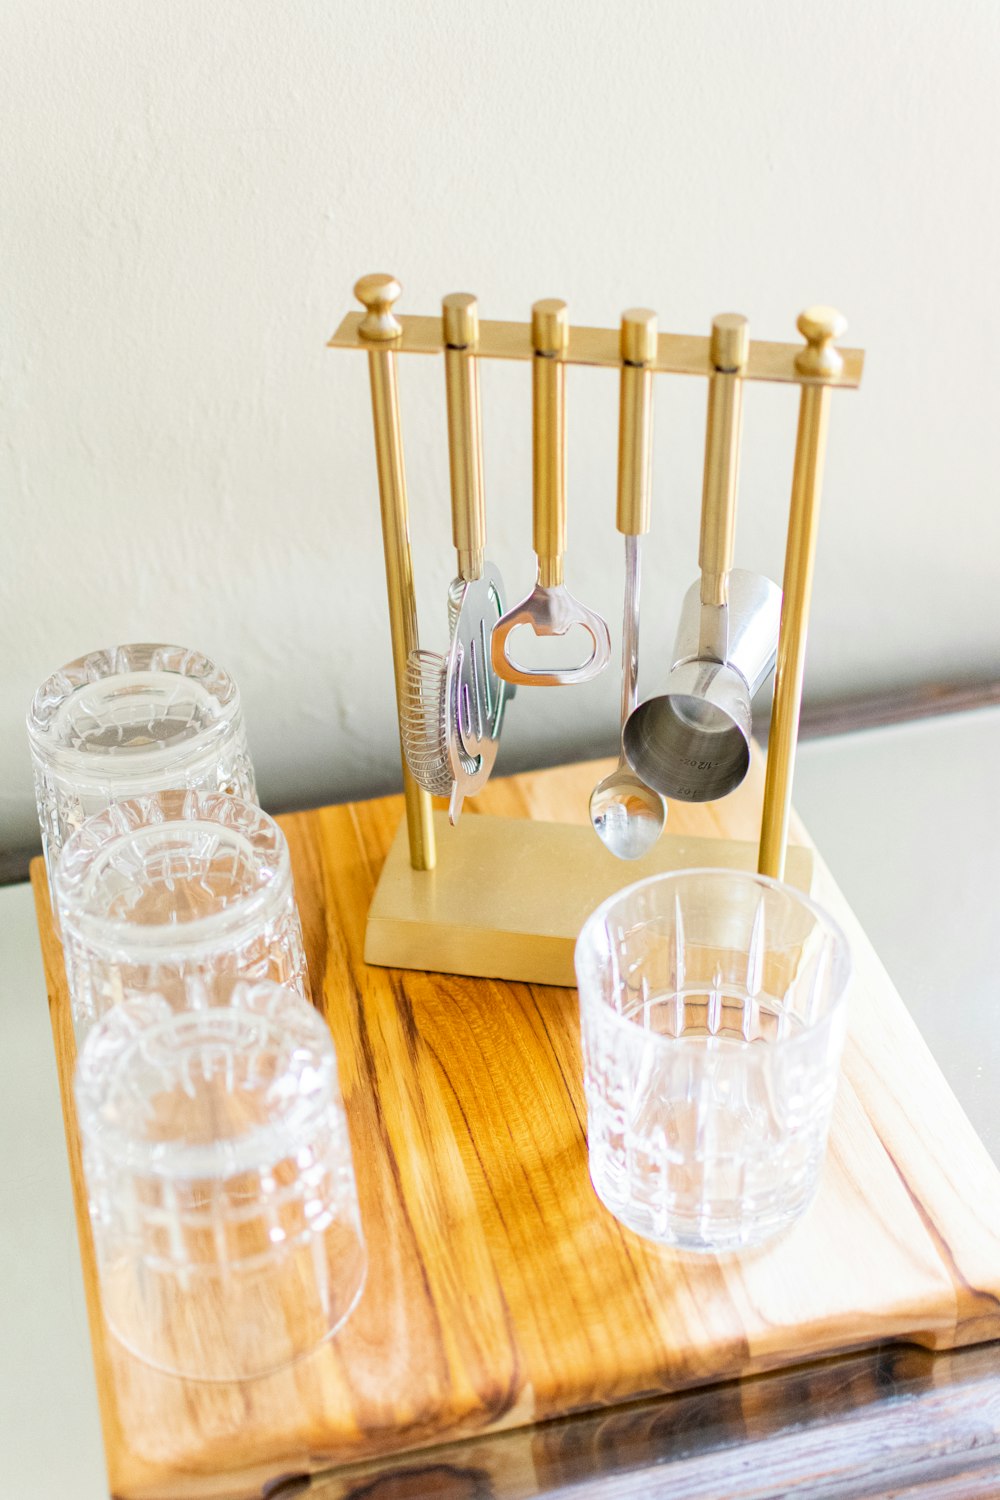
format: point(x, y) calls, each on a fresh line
point(841, 968)
point(107, 1060)
point(91, 765)
point(112, 935)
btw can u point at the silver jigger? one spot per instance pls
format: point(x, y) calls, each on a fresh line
point(692, 742)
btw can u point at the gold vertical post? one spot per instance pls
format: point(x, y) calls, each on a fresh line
point(819, 326)
point(378, 293)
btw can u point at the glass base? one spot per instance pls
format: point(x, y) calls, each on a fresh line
point(710, 1232)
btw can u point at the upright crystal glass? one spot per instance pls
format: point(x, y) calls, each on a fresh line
point(129, 721)
point(713, 1012)
point(182, 893)
point(220, 1182)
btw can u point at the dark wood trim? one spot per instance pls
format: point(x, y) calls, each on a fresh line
point(14, 864)
point(897, 1420)
point(897, 706)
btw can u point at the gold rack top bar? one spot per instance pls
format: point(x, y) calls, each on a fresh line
point(676, 353)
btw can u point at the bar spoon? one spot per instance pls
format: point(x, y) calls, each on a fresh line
point(626, 814)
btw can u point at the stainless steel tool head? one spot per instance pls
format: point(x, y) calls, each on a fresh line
point(474, 694)
point(423, 721)
point(550, 611)
point(452, 706)
point(754, 615)
point(692, 742)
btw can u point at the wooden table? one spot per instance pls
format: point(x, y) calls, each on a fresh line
point(941, 1237)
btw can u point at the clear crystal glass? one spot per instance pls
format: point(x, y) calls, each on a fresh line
point(183, 893)
point(128, 721)
point(713, 1011)
point(220, 1182)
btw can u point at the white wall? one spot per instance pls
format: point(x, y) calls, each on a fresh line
point(189, 191)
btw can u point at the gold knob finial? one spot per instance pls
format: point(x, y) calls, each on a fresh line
point(819, 326)
point(550, 326)
point(460, 316)
point(377, 293)
point(730, 342)
point(638, 336)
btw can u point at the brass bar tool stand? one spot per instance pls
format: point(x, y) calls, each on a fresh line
point(505, 897)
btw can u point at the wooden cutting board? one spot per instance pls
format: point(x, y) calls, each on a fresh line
point(500, 1292)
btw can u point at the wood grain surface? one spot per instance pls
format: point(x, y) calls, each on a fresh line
point(500, 1292)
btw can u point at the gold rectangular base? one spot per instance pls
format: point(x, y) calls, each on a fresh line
point(508, 896)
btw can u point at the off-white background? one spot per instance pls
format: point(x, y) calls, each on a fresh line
point(189, 191)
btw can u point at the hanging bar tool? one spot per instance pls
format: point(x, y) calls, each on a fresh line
point(550, 609)
point(475, 693)
point(627, 815)
point(454, 704)
point(693, 741)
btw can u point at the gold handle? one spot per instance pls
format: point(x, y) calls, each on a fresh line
point(550, 340)
point(378, 293)
point(820, 326)
point(730, 347)
point(460, 319)
point(635, 420)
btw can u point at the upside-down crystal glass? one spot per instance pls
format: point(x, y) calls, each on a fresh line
point(182, 893)
point(129, 721)
point(220, 1182)
point(713, 1012)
